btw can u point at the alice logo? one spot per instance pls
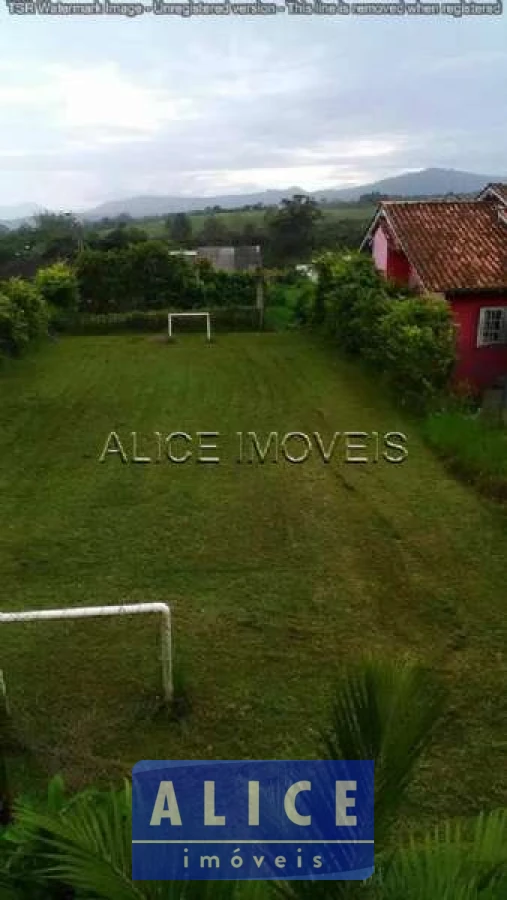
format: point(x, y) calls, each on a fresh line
point(252, 819)
point(249, 447)
point(166, 804)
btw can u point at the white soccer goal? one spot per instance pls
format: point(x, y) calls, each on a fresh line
point(190, 315)
point(87, 612)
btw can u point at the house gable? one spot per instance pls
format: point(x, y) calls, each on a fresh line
point(450, 244)
point(494, 191)
point(389, 254)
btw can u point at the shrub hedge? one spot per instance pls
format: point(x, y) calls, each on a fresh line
point(24, 316)
point(122, 288)
point(13, 327)
point(144, 276)
point(411, 339)
point(230, 318)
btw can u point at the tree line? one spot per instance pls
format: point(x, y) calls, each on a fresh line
point(288, 234)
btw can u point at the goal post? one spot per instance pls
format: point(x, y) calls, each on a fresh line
point(188, 315)
point(87, 612)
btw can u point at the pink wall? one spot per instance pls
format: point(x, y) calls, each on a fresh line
point(379, 249)
point(391, 262)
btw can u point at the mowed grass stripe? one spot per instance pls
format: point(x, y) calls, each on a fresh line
point(276, 574)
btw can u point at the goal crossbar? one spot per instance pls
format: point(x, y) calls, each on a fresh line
point(188, 315)
point(129, 609)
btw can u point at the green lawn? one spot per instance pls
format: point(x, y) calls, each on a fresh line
point(276, 573)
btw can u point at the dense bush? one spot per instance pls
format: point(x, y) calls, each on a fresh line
point(410, 338)
point(13, 327)
point(289, 300)
point(416, 343)
point(30, 305)
point(350, 298)
point(58, 285)
point(227, 289)
point(23, 316)
point(144, 276)
point(119, 280)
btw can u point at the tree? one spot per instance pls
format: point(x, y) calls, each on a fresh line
point(121, 236)
point(179, 227)
point(291, 228)
point(214, 232)
point(58, 235)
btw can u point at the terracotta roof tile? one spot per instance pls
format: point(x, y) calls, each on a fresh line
point(452, 245)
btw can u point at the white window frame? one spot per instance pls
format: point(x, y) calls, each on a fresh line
point(485, 330)
point(184, 315)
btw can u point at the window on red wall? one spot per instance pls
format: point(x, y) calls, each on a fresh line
point(492, 326)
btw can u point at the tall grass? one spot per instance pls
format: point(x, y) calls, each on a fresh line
point(474, 449)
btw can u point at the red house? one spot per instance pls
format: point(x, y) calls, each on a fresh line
point(458, 249)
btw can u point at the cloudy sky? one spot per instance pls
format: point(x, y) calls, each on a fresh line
point(97, 108)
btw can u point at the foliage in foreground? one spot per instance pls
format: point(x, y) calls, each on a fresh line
point(80, 847)
point(24, 316)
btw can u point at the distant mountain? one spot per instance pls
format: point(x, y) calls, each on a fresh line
point(426, 182)
point(138, 207)
point(20, 211)
point(12, 224)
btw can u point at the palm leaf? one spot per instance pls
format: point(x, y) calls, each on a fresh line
point(87, 845)
point(455, 861)
point(385, 711)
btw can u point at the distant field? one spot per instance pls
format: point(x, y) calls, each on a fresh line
point(156, 227)
point(276, 573)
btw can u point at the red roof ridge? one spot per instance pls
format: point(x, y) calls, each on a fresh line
point(431, 200)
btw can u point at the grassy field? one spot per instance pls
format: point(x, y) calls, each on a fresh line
point(276, 573)
point(238, 219)
point(474, 448)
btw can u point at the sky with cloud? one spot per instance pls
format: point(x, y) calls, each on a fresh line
point(100, 107)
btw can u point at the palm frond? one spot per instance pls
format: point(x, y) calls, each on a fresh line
point(87, 844)
point(385, 711)
point(455, 861)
